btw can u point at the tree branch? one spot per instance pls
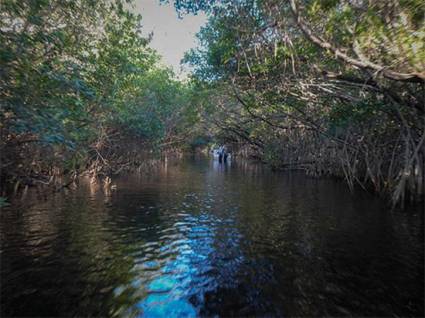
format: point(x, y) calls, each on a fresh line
point(418, 77)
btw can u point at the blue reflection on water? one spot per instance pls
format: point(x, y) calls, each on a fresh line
point(157, 305)
point(188, 273)
point(162, 284)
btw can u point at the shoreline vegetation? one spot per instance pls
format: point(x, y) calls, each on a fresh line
point(336, 88)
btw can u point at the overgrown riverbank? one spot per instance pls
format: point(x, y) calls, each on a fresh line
point(82, 92)
point(333, 88)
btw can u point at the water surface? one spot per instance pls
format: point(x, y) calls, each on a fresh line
point(197, 238)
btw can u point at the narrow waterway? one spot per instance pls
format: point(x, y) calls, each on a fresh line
point(197, 238)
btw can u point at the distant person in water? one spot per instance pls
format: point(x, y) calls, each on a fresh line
point(225, 154)
point(220, 154)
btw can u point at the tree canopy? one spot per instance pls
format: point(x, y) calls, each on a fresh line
point(330, 86)
point(336, 87)
point(77, 76)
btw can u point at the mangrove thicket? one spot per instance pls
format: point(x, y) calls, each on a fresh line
point(333, 87)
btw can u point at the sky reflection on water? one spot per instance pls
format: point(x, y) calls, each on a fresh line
point(191, 270)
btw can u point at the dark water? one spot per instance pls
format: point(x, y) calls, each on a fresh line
point(199, 239)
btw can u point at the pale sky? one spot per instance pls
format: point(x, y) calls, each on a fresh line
point(171, 36)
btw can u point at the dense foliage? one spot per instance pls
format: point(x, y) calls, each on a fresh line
point(330, 86)
point(78, 82)
point(335, 87)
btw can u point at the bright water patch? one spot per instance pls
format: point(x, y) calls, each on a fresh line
point(158, 306)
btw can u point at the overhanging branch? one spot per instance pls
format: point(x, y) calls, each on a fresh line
point(418, 77)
